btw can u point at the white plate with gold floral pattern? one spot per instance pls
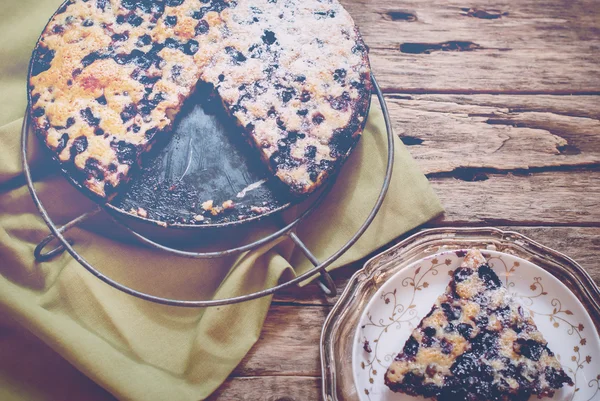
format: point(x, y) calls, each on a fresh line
point(400, 303)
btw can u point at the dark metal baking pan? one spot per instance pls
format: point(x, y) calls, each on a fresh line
point(205, 158)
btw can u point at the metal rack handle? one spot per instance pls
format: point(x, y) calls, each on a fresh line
point(42, 256)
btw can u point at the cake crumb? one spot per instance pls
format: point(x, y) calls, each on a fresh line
point(259, 209)
point(208, 205)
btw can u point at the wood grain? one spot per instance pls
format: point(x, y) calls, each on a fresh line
point(449, 132)
point(438, 45)
point(269, 388)
point(549, 198)
point(290, 331)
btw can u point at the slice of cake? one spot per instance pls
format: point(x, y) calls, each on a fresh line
point(476, 344)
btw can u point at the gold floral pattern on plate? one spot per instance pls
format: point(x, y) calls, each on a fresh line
point(402, 300)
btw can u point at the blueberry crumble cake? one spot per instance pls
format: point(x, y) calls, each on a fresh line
point(476, 344)
point(109, 76)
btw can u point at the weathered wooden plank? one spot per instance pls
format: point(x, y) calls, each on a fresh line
point(581, 244)
point(269, 388)
point(288, 344)
point(548, 198)
point(511, 46)
point(446, 132)
point(571, 106)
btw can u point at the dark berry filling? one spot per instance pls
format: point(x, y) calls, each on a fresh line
point(429, 331)
point(269, 37)
point(202, 27)
point(126, 152)
point(62, 143)
point(42, 60)
point(93, 169)
point(529, 349)
point(488, 276)
point(465, 330)
point(411, 348)
point(128, 112)
point(236, 56)
point(451, 312)
point(78, 146)
point(89, 117)
point(171, 20)
point(462, 273)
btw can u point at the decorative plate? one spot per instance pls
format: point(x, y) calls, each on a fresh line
point(400, 303)
point(387, 298)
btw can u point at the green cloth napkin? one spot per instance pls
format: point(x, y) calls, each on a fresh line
point(65, 335)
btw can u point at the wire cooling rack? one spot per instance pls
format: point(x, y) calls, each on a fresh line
point(320, 267)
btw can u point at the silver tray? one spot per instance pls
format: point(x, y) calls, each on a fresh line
point(339, 328)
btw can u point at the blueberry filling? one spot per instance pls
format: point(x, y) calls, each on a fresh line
point(62, 143)
point(126, 152)
point(465, 330)
point(411, 348)
point(310, 152)
point(120, 37)
point(462, 273)
point(429, 331)
point(236, 56)
point(78, 146)
point(450, 311)
point(339, 75)
point(269, 37)
point(202, 27)
point(318, 118)
point(530, 349)
point(42, 60)
point(488, 276)
point(128, 112)
point(93, 169)
point(171, 20)
point(446, 346)
point(89, 117)
point(144, 40)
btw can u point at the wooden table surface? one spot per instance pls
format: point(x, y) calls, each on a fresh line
point(499, 103)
